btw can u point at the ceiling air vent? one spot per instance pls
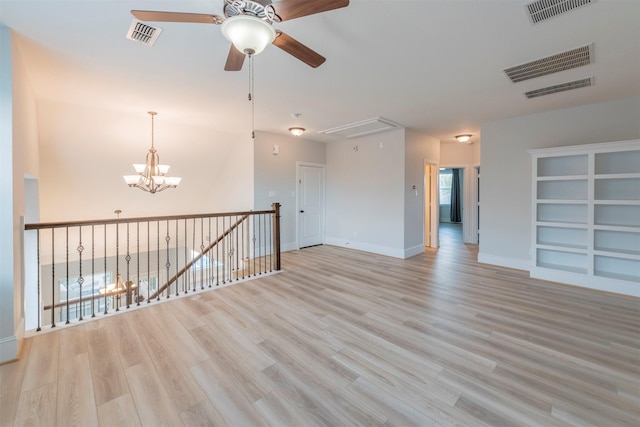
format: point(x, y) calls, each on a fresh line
point(551, 64)
point(541, 10)
point(143, 33)
point(576, 84)
point(365, 127)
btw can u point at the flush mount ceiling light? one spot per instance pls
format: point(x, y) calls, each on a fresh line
point(249, 34)
point(296, 131)
point(465, 138)
point(152, 176)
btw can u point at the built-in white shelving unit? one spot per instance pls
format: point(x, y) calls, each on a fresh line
point(586, 215)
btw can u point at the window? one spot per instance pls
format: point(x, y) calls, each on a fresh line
point(91, 285)
point(445, 186)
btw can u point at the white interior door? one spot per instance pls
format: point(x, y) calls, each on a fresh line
point(310, 205)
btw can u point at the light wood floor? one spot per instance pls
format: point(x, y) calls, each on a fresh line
point(345, 338)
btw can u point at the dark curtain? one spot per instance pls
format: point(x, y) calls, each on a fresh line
point(456, 215)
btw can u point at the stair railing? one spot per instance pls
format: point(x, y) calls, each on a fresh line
point(75, 270)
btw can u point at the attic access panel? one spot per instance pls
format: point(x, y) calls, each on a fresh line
point(365, 127)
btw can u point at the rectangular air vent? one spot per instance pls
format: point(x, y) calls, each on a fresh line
point(541, 10)
point(143, 33)
point(551, 64)
point(365, 127)
point(576, 84)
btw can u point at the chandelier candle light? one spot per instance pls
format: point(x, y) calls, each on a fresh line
point(151, 176)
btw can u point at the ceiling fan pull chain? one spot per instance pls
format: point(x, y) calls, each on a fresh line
point(252, 97)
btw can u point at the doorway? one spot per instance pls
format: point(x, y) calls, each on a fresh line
point(451, 191)
point(310, 204)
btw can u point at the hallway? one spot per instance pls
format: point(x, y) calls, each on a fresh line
point(450, 233)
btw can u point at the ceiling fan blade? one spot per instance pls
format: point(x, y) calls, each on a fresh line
point(199, 18)
point(235, 59)
point(291, 9)
point(297, 49)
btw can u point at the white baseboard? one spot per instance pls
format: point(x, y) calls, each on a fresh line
point(285, 247)
point(575, 279)
point(518, 264)
point(416, 250)
point(366, 247)
point(8, 349)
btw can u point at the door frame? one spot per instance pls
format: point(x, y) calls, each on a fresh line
point(474, 229)
point(431, 186)
point(323, 166)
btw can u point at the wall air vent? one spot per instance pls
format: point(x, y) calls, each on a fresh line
point(365, 127)
point(551, 64)
point(143, 33)
point(576, 84)
point(541, 10)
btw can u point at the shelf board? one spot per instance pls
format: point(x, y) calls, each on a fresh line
point(618, 253)
point(563, 201)
point(617, 276)
point(614, 227)
point(562, 224)
point(617, 202)
point(564, 247)
point(568, 268)
point(616, 175)
point(563, 178)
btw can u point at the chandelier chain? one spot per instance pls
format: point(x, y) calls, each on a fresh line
point(152, 142)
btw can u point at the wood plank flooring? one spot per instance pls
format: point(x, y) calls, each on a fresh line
point(345, 338)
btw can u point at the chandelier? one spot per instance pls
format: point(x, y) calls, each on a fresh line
point(152, 176)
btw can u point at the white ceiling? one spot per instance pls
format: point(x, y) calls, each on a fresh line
point(433, 66)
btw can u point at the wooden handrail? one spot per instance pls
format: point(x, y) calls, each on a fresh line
point(40, 226)
point(98, 296)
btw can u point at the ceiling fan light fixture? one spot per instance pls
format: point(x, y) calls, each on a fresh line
point(248, 34)
point(466, 138)
point(296, 131)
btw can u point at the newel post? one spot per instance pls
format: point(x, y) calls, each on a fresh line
point(276, 233)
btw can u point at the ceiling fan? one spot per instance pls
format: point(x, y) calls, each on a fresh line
point(258, 16)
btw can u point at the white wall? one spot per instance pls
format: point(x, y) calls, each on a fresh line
point(8, 342)
point(85, 151)
point(505, 184)
point(19, 148)
point(277, 174)
point(455, 154)
point(365, 193)
point(419, 149)
point(371, 204)
point(475, 153)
